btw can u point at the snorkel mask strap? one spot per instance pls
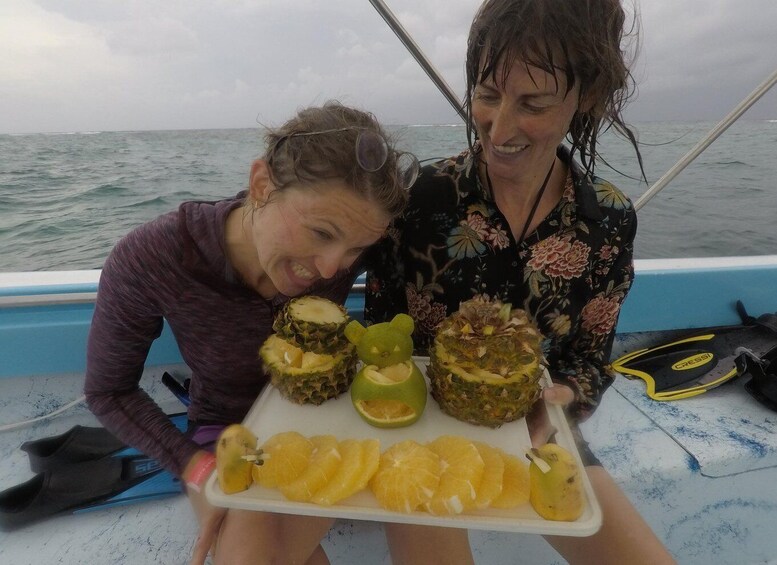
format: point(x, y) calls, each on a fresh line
point(766, 321)
point(763, 375)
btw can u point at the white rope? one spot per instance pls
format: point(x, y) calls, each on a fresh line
point(17, 425)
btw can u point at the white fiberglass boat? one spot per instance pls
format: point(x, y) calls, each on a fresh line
point(700, 470)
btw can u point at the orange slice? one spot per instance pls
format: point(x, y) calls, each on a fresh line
point(386, 413)
point(515, 483)
point(493, 473)
point(370, 462)
point(407, 476)
point(323, 465)
point(461, 473)
point(285, 457)
point(343, 482)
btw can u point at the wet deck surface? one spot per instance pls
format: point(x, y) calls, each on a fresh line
point(724, 519)
point(160, 531)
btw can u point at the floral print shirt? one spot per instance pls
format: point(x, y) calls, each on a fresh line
point(571, 274)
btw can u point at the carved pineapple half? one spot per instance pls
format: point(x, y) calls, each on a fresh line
point(309, 360)
point(486, 363)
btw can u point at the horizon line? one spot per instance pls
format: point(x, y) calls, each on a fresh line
point(419, 125)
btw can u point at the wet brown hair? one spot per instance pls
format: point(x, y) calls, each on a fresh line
point(301, 160)
point(583, 39)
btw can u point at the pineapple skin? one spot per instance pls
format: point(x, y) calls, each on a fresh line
point(480, 403)
point(500, 354)
point(309, 386)
point(474, 340)
point(312, 336)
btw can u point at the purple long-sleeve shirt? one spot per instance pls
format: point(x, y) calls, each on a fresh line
point(175, 268)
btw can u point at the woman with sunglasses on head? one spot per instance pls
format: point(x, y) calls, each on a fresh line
point(521, 216)
point(326, 189)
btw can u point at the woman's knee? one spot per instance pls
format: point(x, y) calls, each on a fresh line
point(263, 537)
point(427, 545)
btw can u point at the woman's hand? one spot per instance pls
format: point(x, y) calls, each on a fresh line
point(560, 395)
point(540, 429)
point(210, 519)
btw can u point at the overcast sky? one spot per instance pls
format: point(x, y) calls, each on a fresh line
point(97, 65)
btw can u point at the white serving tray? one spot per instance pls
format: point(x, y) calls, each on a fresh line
point(271, 414)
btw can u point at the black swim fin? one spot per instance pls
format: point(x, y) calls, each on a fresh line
point(88, 485)
point(81, 443)
point(84, 469)
point(699, 362)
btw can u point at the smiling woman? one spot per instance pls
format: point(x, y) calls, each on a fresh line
point(521, 117)
point(308, 219)
point(522, 217)
point(217, 272)
point(296, 236)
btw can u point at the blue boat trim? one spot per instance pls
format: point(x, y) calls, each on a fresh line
point(667, 294)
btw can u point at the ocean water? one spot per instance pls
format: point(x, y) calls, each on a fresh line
point(66, 198)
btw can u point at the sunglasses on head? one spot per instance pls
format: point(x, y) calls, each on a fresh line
point(372, 152)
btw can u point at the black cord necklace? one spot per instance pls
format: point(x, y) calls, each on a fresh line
point(536, 200)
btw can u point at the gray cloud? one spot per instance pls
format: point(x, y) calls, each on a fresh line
point(700, 58)
point(142, 64)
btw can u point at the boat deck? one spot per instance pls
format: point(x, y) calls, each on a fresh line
point(710, 505)
point(159, 531)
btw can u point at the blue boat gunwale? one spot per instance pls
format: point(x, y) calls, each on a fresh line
point(45, 316)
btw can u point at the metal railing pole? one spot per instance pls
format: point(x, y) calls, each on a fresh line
point(418, 55)
point(722, 126)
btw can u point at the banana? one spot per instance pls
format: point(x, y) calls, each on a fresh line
point(555, 484)
point(236, 454)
